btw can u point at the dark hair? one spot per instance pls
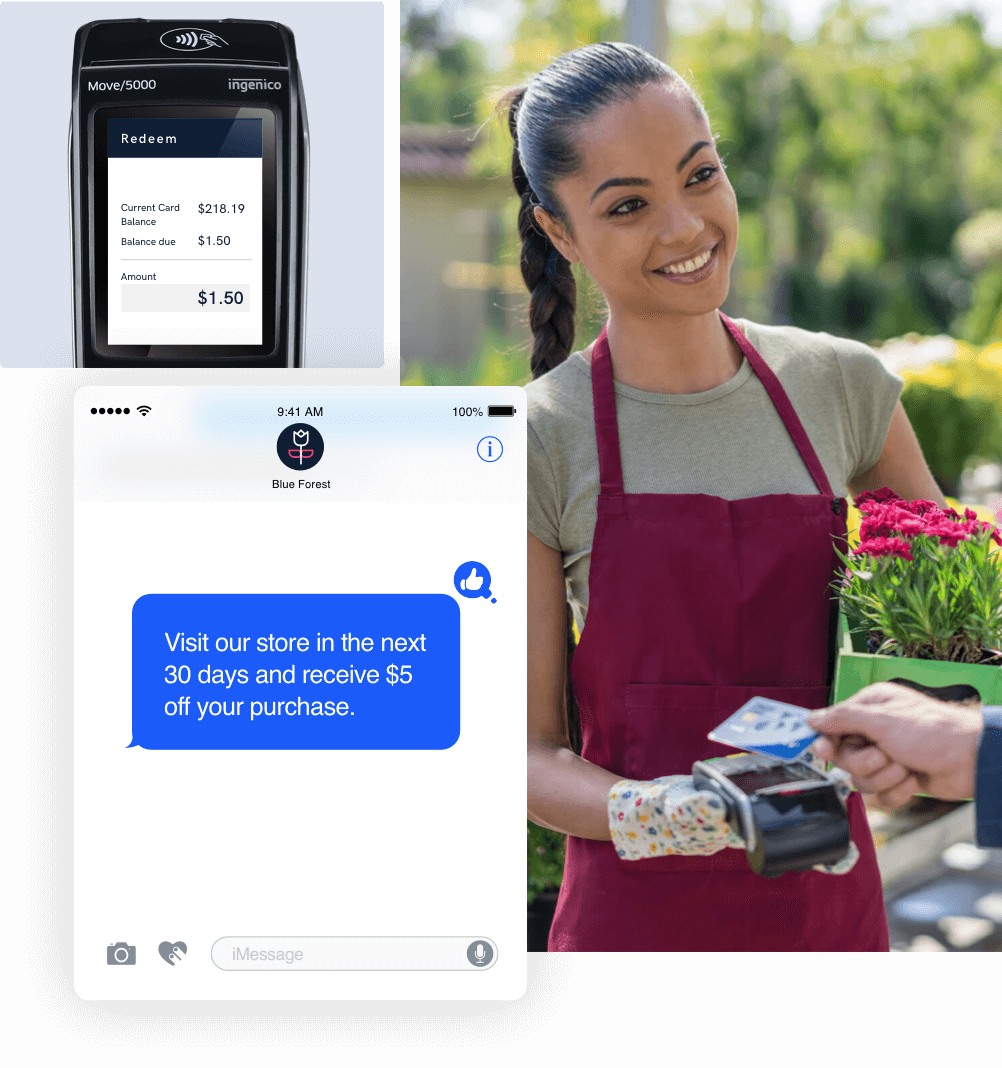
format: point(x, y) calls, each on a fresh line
point(542, 118)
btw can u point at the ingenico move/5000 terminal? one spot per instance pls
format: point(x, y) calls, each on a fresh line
point(188, 184)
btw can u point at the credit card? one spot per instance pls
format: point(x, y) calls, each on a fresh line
point(762, 725)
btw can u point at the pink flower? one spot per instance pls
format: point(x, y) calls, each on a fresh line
point(885, 547)
point(876, 496)
point(886, 520)
point(872, 527)
point(948, 533)
point(897, 513)
point(893, 528)
point(911, 526)
point(920, 507)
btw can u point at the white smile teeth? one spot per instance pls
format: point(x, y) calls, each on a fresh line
point(690, 265)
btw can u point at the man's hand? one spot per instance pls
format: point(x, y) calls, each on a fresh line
point(912, 743)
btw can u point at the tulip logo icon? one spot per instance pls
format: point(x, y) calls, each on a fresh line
point(300, 446)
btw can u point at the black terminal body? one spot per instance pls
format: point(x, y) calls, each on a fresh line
point(226, 93)
point(790, 815)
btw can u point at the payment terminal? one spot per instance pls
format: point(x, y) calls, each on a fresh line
point(790, 815)
point(189, 171)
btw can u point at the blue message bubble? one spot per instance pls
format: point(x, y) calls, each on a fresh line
point(295, 671)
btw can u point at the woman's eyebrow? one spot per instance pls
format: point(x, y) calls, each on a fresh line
point(610, 182)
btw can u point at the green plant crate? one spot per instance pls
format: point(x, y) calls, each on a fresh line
point(856, 670)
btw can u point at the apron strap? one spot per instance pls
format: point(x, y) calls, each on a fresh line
point(603, 391)
point(783, 406)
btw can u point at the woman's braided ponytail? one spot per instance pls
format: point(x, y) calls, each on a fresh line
point(547, 275)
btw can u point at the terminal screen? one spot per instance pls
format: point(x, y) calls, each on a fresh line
point(185, 217)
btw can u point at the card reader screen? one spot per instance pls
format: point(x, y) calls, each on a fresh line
point(750, 781)
point(185, 223)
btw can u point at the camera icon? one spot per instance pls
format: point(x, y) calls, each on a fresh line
point(121, 953)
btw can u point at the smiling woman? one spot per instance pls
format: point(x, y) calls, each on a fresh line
point(686, 491)
point(629, 134)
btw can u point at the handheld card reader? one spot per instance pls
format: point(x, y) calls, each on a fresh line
point(790, 815)
point(189, 189)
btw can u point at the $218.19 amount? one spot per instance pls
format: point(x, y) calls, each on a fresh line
point(231, 296)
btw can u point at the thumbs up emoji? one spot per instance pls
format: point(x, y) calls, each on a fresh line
point(473, 581)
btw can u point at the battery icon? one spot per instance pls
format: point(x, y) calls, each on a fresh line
point(500, 409)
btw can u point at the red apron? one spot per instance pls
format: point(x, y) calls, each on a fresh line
point(695, 605)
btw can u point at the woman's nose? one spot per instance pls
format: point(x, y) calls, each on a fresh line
point(679, 226)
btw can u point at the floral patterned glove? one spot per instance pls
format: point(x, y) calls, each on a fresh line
point(666, 816)
point(669, 816)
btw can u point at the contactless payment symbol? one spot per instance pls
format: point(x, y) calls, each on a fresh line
point(300, 446)
point(191, 39)
point(473, 580)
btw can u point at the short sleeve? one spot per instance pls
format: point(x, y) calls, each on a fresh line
point(871, 393)
point(543, 496)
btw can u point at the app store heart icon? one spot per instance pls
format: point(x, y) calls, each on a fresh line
point(173, 952)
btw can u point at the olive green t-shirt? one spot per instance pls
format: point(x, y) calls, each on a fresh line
point(728, 441)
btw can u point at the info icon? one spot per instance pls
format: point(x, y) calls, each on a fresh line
point(300, 446)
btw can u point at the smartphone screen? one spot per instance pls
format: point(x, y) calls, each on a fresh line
point(299, 694)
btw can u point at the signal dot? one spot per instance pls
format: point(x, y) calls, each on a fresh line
point(125, 411)
point(101, 410)
point(93, 411)
point(118, 411)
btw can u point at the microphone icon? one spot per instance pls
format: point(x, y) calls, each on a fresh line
point(480, 954)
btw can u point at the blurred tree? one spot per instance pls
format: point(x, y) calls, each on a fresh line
point(951, 429)
point(441, 74)
point(550, 27)
point(979, 244)
point(854, 160)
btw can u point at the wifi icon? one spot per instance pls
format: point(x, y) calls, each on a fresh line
point(143, 409)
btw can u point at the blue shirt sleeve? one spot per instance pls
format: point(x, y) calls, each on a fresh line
point(988, 784)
